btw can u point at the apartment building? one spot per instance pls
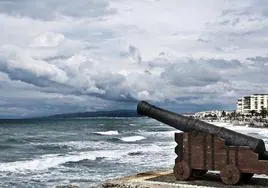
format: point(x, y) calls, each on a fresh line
point(256, 102)
point(239, 105)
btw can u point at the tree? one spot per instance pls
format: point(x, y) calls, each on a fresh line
point(263, 112)
point(232, 115)
point(223, 114)
point(252, 112)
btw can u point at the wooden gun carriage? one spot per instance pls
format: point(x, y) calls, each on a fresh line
point(198, 153)
point(204, 147)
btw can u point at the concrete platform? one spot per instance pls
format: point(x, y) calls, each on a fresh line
point(157, 179)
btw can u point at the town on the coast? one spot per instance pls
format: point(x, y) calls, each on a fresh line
point(251, 111)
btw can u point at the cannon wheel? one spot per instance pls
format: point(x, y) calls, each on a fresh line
point(197, 173)
point(182, 171)
point(246, 176)
point(230, 175)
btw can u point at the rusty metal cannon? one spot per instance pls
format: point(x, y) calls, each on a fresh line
point(204, 147)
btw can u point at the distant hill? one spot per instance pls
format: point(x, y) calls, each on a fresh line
point(114, 113)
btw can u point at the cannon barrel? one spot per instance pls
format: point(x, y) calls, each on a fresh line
point(187, 124)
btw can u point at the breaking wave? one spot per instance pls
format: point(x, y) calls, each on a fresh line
point(52, 160)
point(132, 138)
point(107, 133)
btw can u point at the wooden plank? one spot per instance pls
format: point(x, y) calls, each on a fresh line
point(209, 153)
point(204, 152)
point(185, 147)
point(213, 152)
point(189, 150)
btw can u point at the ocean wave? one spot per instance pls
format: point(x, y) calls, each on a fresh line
point(14, 141)
point(107, 133)
point(135, 153)
point(221, 124)
point(53, 160)
point(4, 146)
point(52, 147)
point(132, 138)
point(43, 163)
point(251, 131)
point(29, 139)
point(160, 134)
point(77, 145)
point(83, 162)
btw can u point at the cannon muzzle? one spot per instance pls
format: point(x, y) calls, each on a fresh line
point(187, 124)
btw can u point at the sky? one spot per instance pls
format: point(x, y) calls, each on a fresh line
point(61, 56)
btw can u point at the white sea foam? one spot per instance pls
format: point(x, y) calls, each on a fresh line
point(52, 160)
point(252, 131)
point(77, 145)
point(42, 163)
point(107, 133)
point(221, 124)
point(160, 134)
point(132, 138)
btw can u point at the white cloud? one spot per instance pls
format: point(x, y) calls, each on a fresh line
point(48, 39)
point(50, 9)
point(21, 66)
point(114, 52)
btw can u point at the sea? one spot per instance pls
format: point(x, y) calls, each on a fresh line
point(87, 151)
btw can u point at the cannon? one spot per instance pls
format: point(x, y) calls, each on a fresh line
point(203, 146)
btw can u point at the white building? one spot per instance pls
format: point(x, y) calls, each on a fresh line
point(254, 102)
point(216, 113)
point(239, 105)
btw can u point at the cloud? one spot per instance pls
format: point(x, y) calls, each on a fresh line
point(48, 39)
point(51, 46)
point(64, 56)
point(50, 9)
point(132, 52)
point(190, 73)
point(258, 59)
point(21, 66)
